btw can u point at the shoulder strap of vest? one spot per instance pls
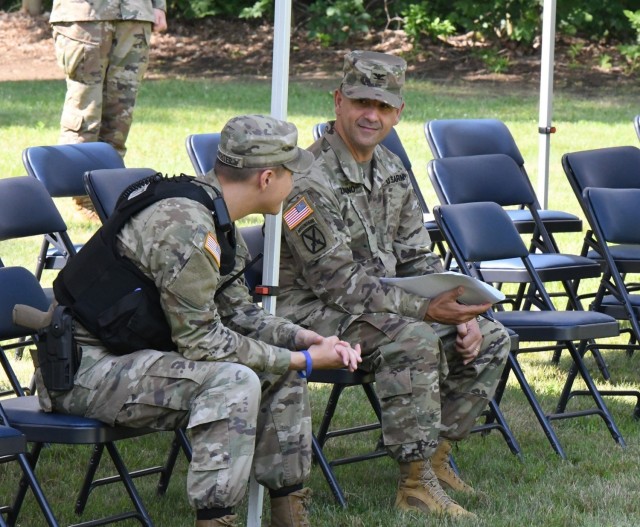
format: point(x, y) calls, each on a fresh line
point(148, 191)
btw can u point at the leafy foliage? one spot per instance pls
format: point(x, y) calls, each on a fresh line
point(498, 21)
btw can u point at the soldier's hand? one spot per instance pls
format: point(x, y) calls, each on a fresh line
point(160, 22)
point(446, 309)
point(305, 338)
point(335, 353)
point(469, 340)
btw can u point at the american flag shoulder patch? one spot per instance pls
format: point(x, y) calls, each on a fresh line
point(212, 246)
point(296, 213)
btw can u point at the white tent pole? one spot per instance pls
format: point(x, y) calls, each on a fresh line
point(271, 263)
point(545, 129)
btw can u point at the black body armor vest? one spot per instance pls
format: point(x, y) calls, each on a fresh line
point(108, 294)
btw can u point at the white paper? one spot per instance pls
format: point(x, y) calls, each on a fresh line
point(431, 285)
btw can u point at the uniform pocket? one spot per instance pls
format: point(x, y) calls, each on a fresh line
point(215, 452)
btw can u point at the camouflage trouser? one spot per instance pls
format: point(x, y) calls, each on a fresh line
point(221, 406)
point(424, 389)
point(104, 63)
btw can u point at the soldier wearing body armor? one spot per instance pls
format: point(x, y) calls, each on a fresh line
point(232, 379)
point(354, 219)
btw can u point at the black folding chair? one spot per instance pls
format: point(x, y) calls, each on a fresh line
point(27, 210)
point(19, 286)
point(202, 150)
point(13, 448)
point(497, 178)
point(478, 232)
point(614, 167)
point(614, 216)
point(467, 137)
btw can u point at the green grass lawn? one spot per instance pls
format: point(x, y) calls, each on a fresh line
point(596, 485)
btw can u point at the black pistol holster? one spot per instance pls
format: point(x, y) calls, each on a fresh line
point(57, 351)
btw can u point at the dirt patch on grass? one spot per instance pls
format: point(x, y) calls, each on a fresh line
point(216, 48)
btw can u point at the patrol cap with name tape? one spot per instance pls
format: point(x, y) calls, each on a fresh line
point(373, 75)
point(261, 141)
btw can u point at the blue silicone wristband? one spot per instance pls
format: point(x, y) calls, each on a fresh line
point(309, 365)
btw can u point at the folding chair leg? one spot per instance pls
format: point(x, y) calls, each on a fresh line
point(28, 480)
point(581, 368)
point(512, 362)
point(24, 485)
point(327, 471)
point(329, 411)
point(142, 513)
point(495, 419)
point(180, 442)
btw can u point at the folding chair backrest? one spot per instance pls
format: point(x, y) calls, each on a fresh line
point(106, 185)
point(613, 167)
point(27, 209)
point(469, 137)
point(494, 177)
point(18, 286)
point(636, 124)
point(480, 231)
point(202, 150)
point(60, 168)
point(615, 213)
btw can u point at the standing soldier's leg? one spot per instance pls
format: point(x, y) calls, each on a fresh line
point(82, 52)
point(282, 459)
point(127, 66)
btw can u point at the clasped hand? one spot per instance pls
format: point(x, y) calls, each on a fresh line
point(329, 352)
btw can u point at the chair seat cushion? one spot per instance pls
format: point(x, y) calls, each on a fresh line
point(554, 220)
point(550, 267)
point(540, 326)
point(25, 414)
point(627, 257)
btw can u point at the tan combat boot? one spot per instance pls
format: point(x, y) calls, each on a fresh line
point(420, 491)
point(447, 477)
point(291, 510)
point(226, 521)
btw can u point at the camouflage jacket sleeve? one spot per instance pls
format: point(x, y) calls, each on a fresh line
point(343, 236)
point(174, 242)
point(95, 10)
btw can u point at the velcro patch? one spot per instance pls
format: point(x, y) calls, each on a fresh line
point(212, 246)
point(296, 213)
point(313, 239)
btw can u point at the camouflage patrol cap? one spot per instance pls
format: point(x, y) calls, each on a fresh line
point(372, 75)
point(260, 141)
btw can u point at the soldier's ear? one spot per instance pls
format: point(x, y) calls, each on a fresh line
point(265, 178)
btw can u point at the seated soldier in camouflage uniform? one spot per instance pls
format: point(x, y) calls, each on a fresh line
point(233, 381)
point(353, 219)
